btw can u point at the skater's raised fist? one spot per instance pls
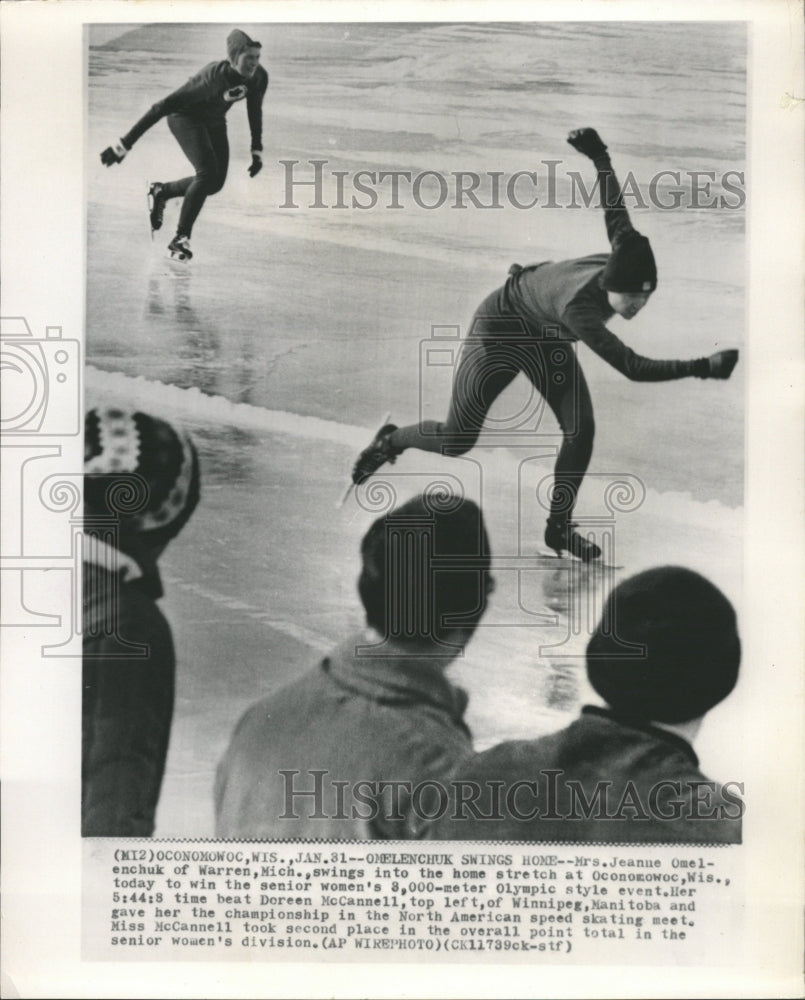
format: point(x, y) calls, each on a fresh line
point(587, 141)
point(722, 363)
point(114, 154)
point(257, 165)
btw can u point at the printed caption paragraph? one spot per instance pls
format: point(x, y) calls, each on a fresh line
point(299, 902)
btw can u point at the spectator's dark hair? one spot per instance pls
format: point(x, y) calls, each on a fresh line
point(425, 568)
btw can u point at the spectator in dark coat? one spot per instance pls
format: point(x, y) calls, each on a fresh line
point(340, 752)
point(141, 484)
point(665, 652)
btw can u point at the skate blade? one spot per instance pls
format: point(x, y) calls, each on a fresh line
point(552, 556)
point(180, 258)
point(150, 202)
point(348, 491)
point(344, 496)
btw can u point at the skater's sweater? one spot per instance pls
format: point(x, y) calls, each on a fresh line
point(567, 299)
point(203, 100)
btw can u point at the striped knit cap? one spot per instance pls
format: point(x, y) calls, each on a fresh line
point(140, 469)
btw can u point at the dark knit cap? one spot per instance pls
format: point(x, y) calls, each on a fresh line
point(237, 41)
point(140, 470)
point(692, 649)
point(631, 266)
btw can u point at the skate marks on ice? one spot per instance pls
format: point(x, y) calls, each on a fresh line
point(301, 633)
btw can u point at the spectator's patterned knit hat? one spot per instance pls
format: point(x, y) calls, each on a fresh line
point(141, 470)
point(688, 632)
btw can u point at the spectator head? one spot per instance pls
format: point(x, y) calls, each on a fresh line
point(141, 471)
point(688, 630)
point(425, 575)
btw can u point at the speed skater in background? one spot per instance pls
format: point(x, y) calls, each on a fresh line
point(530, 325)
point(196, 114)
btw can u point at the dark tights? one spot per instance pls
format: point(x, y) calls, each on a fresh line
point(499, 347)
point(207, 148)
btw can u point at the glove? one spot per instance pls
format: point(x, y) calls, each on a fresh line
point(722, 363)
point(588, 142)
point(257, 165)
point(235, 93)
point(115, 153)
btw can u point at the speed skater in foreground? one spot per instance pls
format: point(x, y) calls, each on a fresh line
point(196, 114)
point(530, 325)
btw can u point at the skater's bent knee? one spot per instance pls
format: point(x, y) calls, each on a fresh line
point(210, 179)
point(580, 435)
point(458, 444)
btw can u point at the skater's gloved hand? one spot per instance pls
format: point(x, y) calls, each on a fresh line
point(587, 141)
point(257, 164)
point(114, 154)
point(722, 363)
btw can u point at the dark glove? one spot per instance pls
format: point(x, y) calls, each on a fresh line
point(722, 363)
point(587, 141)
point(257, 165)
point(114, 153)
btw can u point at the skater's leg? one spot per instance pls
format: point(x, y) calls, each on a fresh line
point(194, 142)
point(569, 398)
point(220, 144)
point(494, 354)
point(208, 150)
point(566, 392)
point(481, 376)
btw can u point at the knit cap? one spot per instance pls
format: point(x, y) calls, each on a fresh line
point(141, 470)
point(631, 266)
point(692, 649)
point(236, 42)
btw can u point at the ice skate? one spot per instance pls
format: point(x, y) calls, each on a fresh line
point(156, 206)
point(561, 535)
point(376, 454)
point(179, 248)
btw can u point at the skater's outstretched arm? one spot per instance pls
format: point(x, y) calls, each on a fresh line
point(254, 110)
point(214, 81)
point(589, 142)
point(584, 320)
point(202, 87)
point(254, 107)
